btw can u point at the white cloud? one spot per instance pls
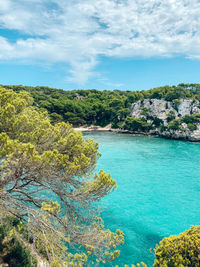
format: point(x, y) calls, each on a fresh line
point(78, 31)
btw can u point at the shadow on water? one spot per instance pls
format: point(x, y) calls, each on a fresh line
point(140, 241)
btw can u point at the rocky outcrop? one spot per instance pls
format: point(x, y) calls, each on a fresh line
point(184, 134)
point(179, 119)
point(160, 108)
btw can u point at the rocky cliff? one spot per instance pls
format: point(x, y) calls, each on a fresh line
point(177, 119)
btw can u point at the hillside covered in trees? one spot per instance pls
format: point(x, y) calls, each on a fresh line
point(86, 107)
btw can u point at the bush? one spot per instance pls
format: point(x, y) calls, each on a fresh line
point(163, 128)
point(117, 125)
point(157, 122)
point(182, 250)
point(191, 121)
point(145, 111)
point(188, 119)
point(11, 249)
point(192, 126)
point(55, 117)
point(136, 124)
point(197, 117)
point(175, 125)
point(170, 116)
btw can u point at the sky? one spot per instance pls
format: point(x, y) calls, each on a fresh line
point(101, 44)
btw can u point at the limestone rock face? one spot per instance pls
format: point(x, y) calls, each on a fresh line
point(195, 135)
point(157, 108)
point(160, 108)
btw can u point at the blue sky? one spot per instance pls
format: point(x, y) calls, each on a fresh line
point(102, 44)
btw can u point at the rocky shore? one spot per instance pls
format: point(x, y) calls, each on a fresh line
point(176, 135)
point(178, 119)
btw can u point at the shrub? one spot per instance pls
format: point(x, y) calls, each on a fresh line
point(157, 122)
point(192, 126)
point(145, 111)
point(12, 250)
point(188, 119)
point(197, 117)
point(175, 125)
point(170, 116)
point(182, 250)
point(136, 124)
point(163, 128)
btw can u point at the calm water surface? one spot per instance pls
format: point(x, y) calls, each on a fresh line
point(158, 190)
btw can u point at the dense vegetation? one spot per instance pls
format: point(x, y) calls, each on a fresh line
point(42, 163)
point(12, 250)
point(182, 250)
point(81, 107)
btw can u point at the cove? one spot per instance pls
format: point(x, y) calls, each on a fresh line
point(158, 190)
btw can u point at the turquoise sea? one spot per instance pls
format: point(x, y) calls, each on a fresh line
point(158, 190)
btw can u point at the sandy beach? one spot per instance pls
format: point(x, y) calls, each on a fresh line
point(94, 129)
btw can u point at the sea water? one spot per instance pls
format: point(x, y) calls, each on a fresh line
point(158, 190)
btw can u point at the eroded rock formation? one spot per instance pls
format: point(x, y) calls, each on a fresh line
point(179, 119)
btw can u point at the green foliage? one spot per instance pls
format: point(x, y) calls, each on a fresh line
point(12, 250)
point(181, 251)
point(197, 117)
point(175, 125)
point(145, 112)
point(41, 162)
point(157, 122)
point(191, 118)
point(192, 126)
point(81, 107)
point(56, 117)
point(191, 121)
point(170, 116)
point(163, 128)
point(123, 113)
point(136, 124)
point(188, 119)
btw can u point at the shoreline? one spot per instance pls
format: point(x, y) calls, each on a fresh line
point(93, 129)
point(112, 130)
point(109, 129)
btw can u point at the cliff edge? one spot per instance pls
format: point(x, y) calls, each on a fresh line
point(177, 119)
